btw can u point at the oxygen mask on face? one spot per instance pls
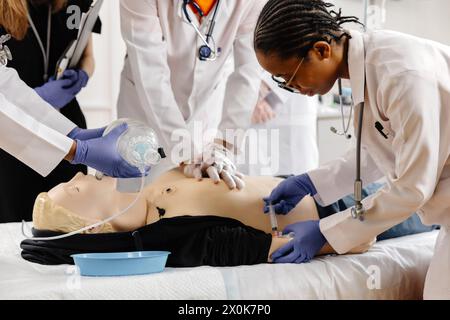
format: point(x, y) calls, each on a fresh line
point(139, 146)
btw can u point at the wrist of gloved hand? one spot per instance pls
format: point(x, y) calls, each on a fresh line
point(79, 78)
point(86, 134)
point(304, 181)
point(286, 196)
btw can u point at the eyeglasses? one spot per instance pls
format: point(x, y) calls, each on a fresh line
point(287, 85)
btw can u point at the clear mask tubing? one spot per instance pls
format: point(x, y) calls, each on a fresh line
point(139, 147)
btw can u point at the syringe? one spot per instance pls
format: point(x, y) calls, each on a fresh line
point(273, 220)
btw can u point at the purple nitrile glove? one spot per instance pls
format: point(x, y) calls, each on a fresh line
point(102, 155)
point(79, 79)
point(289, 193)
point(55, 92)
point(86, 134)
point(307, 242)
point(60, 92)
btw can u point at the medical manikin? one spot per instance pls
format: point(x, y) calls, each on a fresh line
point(139, 147)
point(85, 200)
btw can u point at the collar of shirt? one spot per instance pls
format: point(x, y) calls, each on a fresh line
point(205, 5)
point(356, 61)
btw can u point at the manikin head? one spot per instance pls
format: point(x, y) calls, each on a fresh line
point(83, 201)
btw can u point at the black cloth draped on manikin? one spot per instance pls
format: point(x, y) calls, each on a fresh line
point(192, 240)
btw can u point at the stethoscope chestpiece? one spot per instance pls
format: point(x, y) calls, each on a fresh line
point(205, 53)
point(208, 51)
point(358, 213)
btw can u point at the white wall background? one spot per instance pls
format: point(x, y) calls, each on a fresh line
point(424, 18)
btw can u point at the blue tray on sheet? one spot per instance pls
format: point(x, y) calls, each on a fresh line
point(121, 263)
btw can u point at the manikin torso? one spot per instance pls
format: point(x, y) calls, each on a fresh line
point(174, 195)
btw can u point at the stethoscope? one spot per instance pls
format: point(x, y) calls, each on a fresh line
point(45, 51)
point(358, 210)
point(345, 128)
point(5, 53)
point(206, 52)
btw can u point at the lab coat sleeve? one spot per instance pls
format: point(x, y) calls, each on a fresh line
point(25, 98)
point(412, 104)
point(243, 85)
point(33, 143)
point(335, 179)
point(147, 53)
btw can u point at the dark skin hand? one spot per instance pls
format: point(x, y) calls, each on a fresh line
point(323, 65)
point(69, 157)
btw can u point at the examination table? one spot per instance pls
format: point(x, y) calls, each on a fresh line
point(392, 269)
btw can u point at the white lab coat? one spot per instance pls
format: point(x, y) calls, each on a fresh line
point(31, 130)
point(166, 85)
point(408, 92)
point(295, 123)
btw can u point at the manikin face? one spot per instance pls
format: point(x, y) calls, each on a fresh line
point(96, 200)
point(84, 194)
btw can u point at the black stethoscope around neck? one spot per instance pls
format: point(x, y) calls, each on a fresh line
point(46, 50)
point(357, 210)
point(208, 51)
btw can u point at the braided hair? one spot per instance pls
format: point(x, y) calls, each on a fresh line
point(291, 27)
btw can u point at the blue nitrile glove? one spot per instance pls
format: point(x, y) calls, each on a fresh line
point(307, 242)
point(102, 155)
point(79, 79)
point(86, 134)
point(60, 92)
point(289, 193)
point(55, 92)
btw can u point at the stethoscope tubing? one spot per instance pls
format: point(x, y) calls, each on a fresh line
point(45, 51)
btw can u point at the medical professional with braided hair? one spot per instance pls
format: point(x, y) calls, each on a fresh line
point(402, 83)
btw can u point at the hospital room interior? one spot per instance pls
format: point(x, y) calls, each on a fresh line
point(197, 147)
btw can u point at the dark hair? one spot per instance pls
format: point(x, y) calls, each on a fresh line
point(291, 27)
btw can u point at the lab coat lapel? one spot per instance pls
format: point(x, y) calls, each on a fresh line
point(356, 61)
point(371, 139)
point(200, 111)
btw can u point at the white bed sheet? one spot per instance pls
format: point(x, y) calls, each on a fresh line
point(400, 265)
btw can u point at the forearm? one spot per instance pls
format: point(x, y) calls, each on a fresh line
point(88, 61)
point(278, 242)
